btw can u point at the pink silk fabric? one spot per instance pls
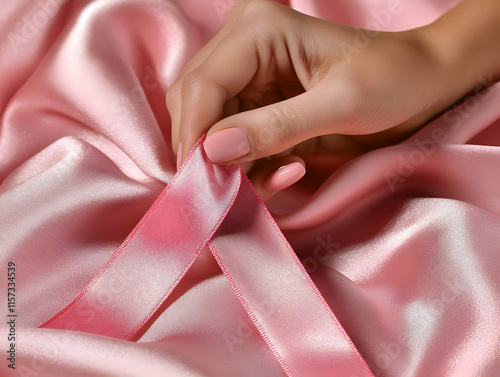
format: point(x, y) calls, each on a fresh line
point(388, 265)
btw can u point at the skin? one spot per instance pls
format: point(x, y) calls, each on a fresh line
point(289, 82)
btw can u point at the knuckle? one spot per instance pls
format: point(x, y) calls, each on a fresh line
point(192, 82)
point(172, 96)
point(350, 92)
point(279, 119)
point(354, 97)
point(282, 124)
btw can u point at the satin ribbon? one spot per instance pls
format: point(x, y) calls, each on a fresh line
point(216, 205)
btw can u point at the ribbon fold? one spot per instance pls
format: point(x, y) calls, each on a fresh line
point(217, 205)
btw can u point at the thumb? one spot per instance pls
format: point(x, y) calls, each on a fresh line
point(271, 129)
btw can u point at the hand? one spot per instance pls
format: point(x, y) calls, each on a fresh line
point(273, 78)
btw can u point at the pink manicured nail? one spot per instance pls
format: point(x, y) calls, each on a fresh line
point(179, 153)
point(226, 145)
point(285, 176)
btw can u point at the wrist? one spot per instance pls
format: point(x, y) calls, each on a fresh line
point(464, 48)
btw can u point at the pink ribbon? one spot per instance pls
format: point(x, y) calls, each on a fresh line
point(217, 205)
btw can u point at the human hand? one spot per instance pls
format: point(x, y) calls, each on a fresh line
point(273, 78)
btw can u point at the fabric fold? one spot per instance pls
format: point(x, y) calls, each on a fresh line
point(205, 201)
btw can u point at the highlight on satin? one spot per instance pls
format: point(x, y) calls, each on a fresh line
point(272, 188)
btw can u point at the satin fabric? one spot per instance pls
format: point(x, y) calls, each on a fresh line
point(401, 242)
point(216, 206)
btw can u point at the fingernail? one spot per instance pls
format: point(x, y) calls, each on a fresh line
point(179, 153)
point(285, 176)
point(226, 145)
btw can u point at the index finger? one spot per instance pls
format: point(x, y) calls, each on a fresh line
point(224, 73)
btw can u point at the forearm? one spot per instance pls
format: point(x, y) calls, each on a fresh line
point(466, 41)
